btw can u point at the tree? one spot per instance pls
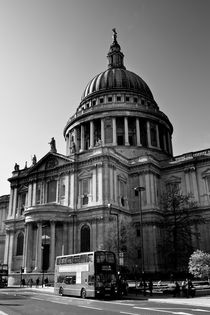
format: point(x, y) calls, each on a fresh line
point(128, 245)
point(199, 264)
point(178, 217)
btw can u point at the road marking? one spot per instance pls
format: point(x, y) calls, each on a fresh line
point(2, 313)
point(152, 309)
point(161, 310)
point(128, 313)
point(91, 307)
point(200, 310)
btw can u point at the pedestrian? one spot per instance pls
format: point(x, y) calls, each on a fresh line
point(144, 287)
point(177, 289)
point(189, 288)
point(37, 282)
point(150, 287)
point(30, 282)
point(184, 284)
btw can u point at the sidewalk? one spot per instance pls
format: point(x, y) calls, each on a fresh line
point(196, 301)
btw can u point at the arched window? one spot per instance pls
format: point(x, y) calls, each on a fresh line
point(20, 241)
point(85, 238)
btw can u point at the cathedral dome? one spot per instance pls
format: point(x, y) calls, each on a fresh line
point(116, 77)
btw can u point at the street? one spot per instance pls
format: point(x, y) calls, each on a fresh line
point(15, 301)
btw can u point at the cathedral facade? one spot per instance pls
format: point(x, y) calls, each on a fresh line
point(117, 142)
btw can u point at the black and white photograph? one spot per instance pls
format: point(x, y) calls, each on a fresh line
point(105, 157)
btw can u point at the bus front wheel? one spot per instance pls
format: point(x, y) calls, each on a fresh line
point(61, 291)
point(83, 294)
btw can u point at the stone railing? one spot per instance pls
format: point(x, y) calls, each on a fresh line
point(192, 155)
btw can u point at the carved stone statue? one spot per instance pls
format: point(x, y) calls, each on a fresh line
point(34, 160)
point(114, 34)
point(73, 148)
point(52, 145)
point(16, 167)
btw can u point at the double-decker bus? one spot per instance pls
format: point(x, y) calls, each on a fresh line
point(91, 274)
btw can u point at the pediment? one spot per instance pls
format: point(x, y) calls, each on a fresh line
point(206, 172)
point(173, 179)
point(85, 174)
point(50, 161)
point(23, 189)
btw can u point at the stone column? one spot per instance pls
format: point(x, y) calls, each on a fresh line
point(10, 252)
point(169, 144)
point(65, 237)
point(187, 181)
point(75, 139)
point(102, 132)
point(67, 144)
point(148, 134)
point(28, 247)
point(30, 189)
point(138, 138)
point(157, 135)
point(164, 142)
point(34, 195)
point(82, 139)
point(6, 251)
point(11, 199)
point(148, 188)
point(14, 205)
point(52, 246)
point(195, 185)
point(114, 131)
point(38, 257)
point(91, 134)
point(126, 130)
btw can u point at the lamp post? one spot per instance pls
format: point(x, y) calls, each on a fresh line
point(139, 189)
point(118, 230)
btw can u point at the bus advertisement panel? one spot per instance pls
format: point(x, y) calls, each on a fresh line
point(91, 274)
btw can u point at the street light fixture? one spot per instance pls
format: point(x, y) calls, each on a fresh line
point(139, 189)
point(118, 230)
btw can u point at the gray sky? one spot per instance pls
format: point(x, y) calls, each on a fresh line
point(50, 49)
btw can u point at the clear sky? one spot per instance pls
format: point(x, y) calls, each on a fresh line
point(50, 49)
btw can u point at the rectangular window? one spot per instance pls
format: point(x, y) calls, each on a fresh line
point(101, 100)
point(62, 188)
point(208, 184)
point(135, 99)
point(122, 193)
point(127, 98)
point(172, 187)
point(118, 98)
point(85, 191)
point(38, 194)
point(51, 191)
point(110, 99)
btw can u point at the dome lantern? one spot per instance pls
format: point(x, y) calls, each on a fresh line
point(115, 56)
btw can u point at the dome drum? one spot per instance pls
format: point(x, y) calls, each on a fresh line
point(119, 129)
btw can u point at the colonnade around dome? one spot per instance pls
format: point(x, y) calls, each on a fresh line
point(118, 130)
